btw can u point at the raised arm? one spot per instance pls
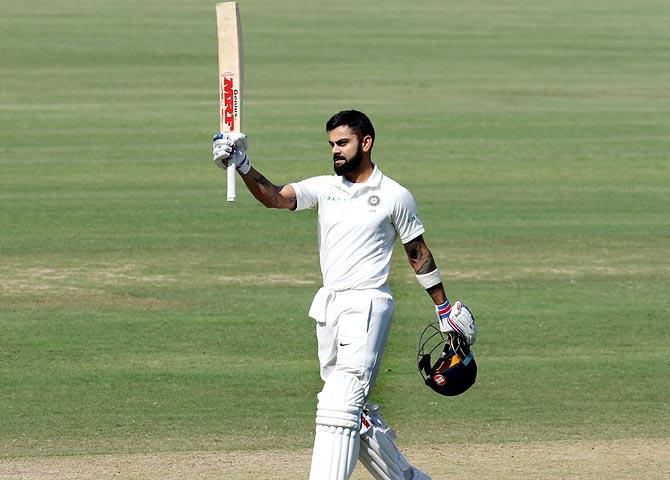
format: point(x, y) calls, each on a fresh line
point(269, 194)
point(232, 147)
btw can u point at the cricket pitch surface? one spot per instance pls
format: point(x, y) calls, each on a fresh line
point(615, 459)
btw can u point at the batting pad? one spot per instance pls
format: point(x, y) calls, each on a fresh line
point(379, 454)
point(338, 417)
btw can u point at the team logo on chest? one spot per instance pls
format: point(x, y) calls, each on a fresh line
point(373, 201)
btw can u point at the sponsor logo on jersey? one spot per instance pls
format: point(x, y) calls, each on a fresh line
point(373, 200)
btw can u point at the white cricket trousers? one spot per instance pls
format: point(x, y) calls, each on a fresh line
point(352, 328)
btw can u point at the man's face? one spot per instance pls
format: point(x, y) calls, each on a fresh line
point(346, 149)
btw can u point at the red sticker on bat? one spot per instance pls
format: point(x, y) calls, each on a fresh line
point(228, 103)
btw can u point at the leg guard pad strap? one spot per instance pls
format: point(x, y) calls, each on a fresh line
point(379, 454)
point(338, 417)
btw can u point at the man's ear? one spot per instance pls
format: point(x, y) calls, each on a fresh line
point(366, 143)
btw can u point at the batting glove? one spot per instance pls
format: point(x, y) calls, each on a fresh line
point(231, 147)
point(457, 318)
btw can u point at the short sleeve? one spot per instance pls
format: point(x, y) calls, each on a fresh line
point(307, 192)
point(405, 217)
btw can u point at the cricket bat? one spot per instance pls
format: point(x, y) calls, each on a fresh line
point(231, 76)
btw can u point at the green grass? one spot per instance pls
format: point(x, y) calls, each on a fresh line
point(141, 312)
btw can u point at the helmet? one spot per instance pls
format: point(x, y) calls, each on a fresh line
point(455, 369)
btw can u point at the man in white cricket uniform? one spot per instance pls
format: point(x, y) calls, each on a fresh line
point(357, 227)
point(361, 211)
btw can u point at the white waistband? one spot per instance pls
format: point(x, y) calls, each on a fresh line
point(325, 296)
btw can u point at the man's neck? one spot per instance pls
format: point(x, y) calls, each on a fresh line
point(361, 174)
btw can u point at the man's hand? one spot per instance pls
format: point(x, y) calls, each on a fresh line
point(460, 321)
point(231, 148)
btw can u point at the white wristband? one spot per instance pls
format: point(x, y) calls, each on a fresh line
point(245, 165)
point(430, 279)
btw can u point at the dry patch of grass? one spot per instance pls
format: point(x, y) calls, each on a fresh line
point(36, 280)
point(18, 280)
point(594, 460)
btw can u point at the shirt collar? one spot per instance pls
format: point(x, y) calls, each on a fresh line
point(373, 181)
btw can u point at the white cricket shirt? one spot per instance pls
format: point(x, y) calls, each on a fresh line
point(357, 226)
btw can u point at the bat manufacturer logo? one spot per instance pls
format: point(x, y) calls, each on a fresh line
point(228, 102)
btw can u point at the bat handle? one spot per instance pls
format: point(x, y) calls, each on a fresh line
point(230, 189)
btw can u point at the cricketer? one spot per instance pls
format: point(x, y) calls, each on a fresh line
point(361, 212)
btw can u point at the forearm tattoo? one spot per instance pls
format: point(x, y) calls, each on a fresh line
point(422, 262)
point(419, 256)
point(261, 180)
point(268, 193)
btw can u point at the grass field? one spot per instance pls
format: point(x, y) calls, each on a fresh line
point(142, 314)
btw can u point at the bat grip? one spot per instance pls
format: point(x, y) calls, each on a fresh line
point(230, 188)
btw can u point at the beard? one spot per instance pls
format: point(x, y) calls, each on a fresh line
point(349, 165)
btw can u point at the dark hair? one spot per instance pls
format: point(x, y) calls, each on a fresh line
point(357, 121)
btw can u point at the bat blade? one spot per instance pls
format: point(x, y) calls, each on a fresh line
point(231, 76)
